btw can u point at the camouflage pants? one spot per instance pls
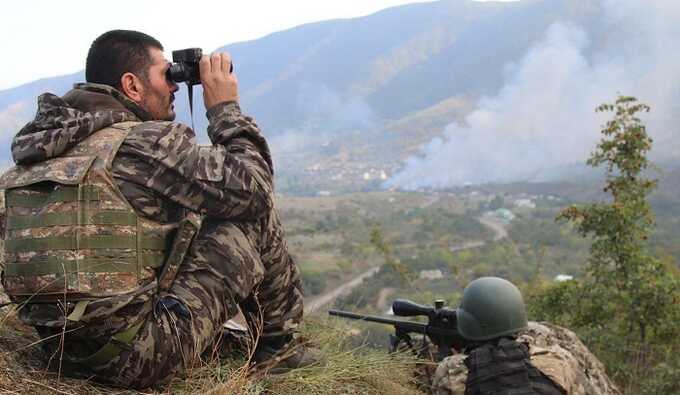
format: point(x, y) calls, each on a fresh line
point(221, 270)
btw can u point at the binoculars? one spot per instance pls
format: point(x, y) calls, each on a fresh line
point(184, 67)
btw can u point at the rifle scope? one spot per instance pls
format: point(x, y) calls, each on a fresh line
point(407, 308)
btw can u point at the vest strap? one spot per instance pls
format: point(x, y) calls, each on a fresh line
point(61, 266)
point(188, 228)
point(78, 311)
point(63, 194)
point(112, 217)
point(111, 349)
point(74, 242)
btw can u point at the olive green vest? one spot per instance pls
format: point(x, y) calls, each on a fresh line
point(71, 233)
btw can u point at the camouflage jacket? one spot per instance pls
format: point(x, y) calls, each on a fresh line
point(160, 168)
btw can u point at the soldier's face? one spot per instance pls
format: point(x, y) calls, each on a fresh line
point(158, 96)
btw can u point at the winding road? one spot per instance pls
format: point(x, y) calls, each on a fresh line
point(345, 288)
point(318, 302)
point(498, 227)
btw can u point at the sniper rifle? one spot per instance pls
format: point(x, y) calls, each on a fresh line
point(441, 328)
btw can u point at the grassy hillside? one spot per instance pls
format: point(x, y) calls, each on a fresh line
point(346, 369)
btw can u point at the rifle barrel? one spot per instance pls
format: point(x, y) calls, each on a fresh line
point(371, 318)
point(410, 326)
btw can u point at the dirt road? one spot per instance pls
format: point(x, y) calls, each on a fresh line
point(498, 227)
point(329, 297)
point(326, 299)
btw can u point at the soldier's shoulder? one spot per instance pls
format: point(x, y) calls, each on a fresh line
point(544, 334)
point(158, 132)
point(560, 355)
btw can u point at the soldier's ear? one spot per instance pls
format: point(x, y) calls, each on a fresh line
point(132, 87)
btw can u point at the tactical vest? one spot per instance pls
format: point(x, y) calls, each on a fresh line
point(505, 369)
point(70, 233)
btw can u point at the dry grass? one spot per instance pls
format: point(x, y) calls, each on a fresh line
point(22, 364)
point(345, 369)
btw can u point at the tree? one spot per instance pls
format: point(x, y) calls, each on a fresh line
point(628, 299)
point(378, 241)
point(619, 264)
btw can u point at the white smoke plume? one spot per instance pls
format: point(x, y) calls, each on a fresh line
point(322, 104)
point(543, 118)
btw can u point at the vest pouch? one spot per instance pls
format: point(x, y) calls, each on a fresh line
point(71, 234)
point(68, 240)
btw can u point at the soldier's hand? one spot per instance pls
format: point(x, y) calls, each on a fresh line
point(219, 85)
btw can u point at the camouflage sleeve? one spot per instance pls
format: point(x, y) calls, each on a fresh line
point(228, 123)
point(231, 179)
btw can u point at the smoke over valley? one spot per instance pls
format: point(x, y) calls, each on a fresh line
point(440, 94)
point(542, 120)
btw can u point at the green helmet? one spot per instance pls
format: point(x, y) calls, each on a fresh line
point(491, 307)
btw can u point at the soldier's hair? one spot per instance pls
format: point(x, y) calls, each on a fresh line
point(117, 52)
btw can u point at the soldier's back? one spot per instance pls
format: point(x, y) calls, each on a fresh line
point(556, 352)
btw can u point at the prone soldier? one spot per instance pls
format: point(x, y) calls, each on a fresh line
point(487, 346)
point(506, 354)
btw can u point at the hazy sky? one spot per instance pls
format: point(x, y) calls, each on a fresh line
point(44, 38)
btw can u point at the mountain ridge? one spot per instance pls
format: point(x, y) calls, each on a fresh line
point(357, 100)
point(289, 66)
